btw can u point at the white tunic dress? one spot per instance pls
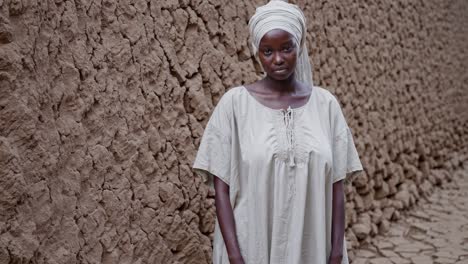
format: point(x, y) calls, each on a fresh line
point(280, 166)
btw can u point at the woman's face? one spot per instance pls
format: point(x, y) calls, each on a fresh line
point(277, 53)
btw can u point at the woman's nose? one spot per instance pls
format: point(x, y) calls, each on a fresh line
point(278, 59)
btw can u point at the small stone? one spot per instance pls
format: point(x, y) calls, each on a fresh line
point(374, 229)
point(404, 197)
point(388, 213)
point(361, 230)
point(358, 203)
point(376, 216)
point(384, 226)
point(382, 192)
point(396, 216)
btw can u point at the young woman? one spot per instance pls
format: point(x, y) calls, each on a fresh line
point(279, 150)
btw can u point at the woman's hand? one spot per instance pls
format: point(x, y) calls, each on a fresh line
point(236, 260)
point(335, 259)
point(338, 223)
point(226, 221)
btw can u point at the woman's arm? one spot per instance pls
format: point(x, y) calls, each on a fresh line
point(338, 223)
point(226, 221)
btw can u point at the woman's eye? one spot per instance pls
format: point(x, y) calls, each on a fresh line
point(287, 49)
point(267, 52)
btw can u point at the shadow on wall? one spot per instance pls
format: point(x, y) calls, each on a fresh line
point(103, 105)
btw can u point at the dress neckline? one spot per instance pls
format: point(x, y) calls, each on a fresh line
point(281, 110)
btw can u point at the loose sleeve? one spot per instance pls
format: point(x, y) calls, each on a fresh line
point(345, 156)
point(214, 153)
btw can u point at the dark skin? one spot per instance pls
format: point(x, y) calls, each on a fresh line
point(278, 90)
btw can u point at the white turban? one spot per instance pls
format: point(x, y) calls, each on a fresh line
point(288, 17)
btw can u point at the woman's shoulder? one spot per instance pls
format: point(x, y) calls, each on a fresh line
point(230, 100)
point(324, 96)
point(233, 91)
point(231, 95)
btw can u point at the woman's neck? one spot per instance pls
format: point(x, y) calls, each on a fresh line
point(287, 86)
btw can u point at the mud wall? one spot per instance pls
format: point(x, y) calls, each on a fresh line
point(103, 104)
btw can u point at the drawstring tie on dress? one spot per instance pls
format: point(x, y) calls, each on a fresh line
point(289, 122)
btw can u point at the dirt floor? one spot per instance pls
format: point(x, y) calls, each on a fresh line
point(436, 231)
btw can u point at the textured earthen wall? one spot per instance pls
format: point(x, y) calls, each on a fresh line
point(103, 104)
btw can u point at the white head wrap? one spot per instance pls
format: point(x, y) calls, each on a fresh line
point(288, 17)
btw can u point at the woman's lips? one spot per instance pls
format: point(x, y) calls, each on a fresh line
point(284, 70)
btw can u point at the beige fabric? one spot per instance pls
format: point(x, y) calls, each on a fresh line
point(288, 17)
point(282, 212)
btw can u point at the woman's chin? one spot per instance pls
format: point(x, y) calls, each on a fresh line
point(280, 76)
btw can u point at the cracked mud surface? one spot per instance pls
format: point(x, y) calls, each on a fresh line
point(435, 232)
